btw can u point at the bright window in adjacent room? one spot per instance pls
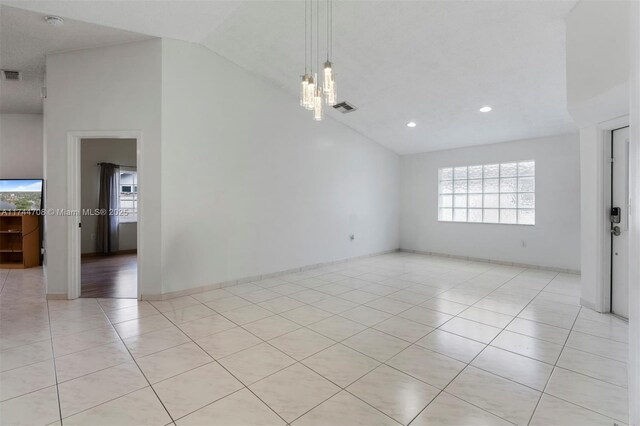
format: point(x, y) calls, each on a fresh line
point(489, 193)
point(129, 195)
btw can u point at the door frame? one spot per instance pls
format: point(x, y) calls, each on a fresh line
point(609, 201)
point(74, 140)
point(603, 303)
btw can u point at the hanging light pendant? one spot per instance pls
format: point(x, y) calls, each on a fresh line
point(307, 86)
point(304, 90)
point(313, 93)
point(317, 105)
point(329, 87)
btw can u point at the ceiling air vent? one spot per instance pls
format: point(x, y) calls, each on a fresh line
point(345, 107)
point(11, 75)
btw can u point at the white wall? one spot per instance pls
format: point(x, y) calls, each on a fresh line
point(593, 225)
point(598, 91)
point(598, 61)
point(21, 146)
point(93, 151)
point(252, 185)
point(554, 241)
point(106, 89)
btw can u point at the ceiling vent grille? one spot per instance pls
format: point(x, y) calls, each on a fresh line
point(11, 75)
point(345, 107)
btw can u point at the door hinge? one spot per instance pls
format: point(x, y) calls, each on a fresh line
point(612, 160)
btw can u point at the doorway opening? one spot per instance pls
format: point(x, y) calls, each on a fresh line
point(109, 216)
point(619, 222)
point(124, 267)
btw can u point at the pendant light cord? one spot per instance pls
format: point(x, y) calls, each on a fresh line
point(318, 34)
point(305, 38)
point(311, 37)
point(328, 31)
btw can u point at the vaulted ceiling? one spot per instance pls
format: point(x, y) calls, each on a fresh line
point(432, 62)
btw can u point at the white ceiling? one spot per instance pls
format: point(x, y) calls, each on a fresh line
point(25, 38)
point(432, 62)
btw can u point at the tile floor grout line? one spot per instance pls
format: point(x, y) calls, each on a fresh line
point(27, 365)
point(222, 366)
point(554, 369)
point(605, 338)
point(615, 421)
point(27, 393)
point(516, 316)
point(385, 362)
point(105, 402)
point(296, 361)
point(211, 403)
point(140, 369)
point(236, 378)
point(55, 370)
point(368, 327)
point(595, 354)
point(160, 350)
point(591, 377)
point(469, 275)
point(355, 396)
point(489, 344)
point(126, 362)
point(582, 407)
point(486, 346)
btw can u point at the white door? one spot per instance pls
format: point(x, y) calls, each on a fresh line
point(620, 230)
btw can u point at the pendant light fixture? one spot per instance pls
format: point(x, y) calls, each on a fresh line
point(329, 86)
point(311, 85)
point(317, 105)
point(317, 100)
point(305, 92)
point(313, 93)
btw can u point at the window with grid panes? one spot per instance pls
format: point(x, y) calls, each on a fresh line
point(129, 194)
point(489, 193)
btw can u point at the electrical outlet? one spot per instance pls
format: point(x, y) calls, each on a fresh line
point(93, 237)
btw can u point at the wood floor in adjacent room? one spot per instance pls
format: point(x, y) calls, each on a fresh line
point(110, 276)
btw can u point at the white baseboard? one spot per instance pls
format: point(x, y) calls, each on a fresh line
point(497, 262)
point(209, 287)
point(243, 280)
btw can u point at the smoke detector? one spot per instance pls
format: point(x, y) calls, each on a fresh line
point(11, 75)
point(345, 107)
point(56, 21)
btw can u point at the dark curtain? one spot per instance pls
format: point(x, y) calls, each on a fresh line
point(108, 201)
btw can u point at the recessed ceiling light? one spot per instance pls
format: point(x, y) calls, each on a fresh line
point(56, 21)
point(411, 124)
point(486, 108)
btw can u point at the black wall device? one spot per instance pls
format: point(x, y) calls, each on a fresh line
point(615, 215)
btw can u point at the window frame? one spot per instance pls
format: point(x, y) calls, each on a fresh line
point(447, 213)
point(134, 185)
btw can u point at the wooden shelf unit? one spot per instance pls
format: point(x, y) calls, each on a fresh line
point(19, 240)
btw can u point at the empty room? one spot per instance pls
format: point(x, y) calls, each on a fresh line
point(319, 212)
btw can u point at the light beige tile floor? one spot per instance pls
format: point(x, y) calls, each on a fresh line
point(393, 339)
